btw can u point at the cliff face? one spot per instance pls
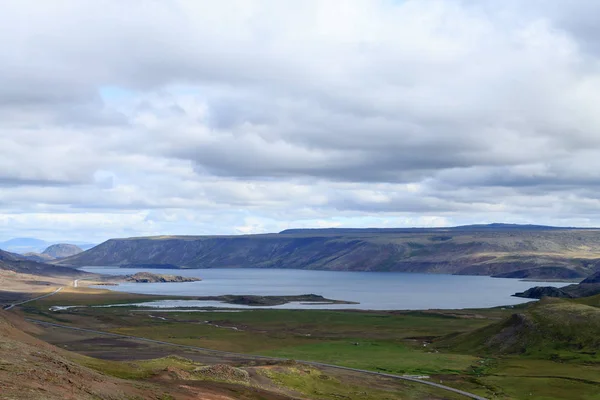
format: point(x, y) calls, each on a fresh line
point(531, 253)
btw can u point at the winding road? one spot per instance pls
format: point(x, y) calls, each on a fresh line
point(256, 357)
point(11, 306)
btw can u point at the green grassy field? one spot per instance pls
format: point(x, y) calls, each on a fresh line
point(552, 354)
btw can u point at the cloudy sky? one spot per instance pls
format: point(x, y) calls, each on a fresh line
point(200, 117)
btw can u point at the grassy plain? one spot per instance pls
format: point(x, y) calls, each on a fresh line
point(559, 361)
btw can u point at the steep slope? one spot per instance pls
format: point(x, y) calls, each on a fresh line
point(546, 329)
point(62, 250)
point(593, 279)
point(552, 253)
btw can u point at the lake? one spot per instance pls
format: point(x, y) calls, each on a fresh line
point(372, 290)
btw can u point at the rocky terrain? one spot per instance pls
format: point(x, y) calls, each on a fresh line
point(495, 250)
point(147, 277)
point(588, 287)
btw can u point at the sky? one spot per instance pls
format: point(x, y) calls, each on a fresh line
point(153, 117)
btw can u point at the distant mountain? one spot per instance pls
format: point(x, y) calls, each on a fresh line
point(62, 250)
point(497, 250)
point(33, 245)
point(24, 245)
point(54, 252)
point(18, 263)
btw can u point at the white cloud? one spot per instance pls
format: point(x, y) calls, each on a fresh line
point(118, 118)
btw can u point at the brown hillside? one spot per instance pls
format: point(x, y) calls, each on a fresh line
point(31, 369)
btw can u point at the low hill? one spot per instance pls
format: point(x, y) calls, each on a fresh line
point(18, 263)
point(545, 330)
point(507, 251)
point(588, 287)
point(62, 250)
point(39, 257)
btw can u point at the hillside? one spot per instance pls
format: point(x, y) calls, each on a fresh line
point(496, 250)
point(19, 264)
point(32, 369)
point(544, 330)
point(39, 257)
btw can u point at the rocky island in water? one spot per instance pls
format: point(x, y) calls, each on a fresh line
point(147, 277)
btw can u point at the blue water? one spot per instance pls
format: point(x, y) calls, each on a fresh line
point(372, 290)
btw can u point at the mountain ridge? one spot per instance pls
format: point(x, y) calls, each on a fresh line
point(530, 251)
point(472, 227)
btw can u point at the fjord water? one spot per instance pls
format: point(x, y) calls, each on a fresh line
point(372, 290)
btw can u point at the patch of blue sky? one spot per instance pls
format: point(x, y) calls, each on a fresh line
point(116, 93)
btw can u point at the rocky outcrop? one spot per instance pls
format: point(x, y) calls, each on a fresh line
point(147, 277)
point(587, 287)
point(543, 291)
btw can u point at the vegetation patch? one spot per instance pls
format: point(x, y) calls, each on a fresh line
point(222, 372)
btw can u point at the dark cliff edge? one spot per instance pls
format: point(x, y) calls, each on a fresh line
point(587, 287)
